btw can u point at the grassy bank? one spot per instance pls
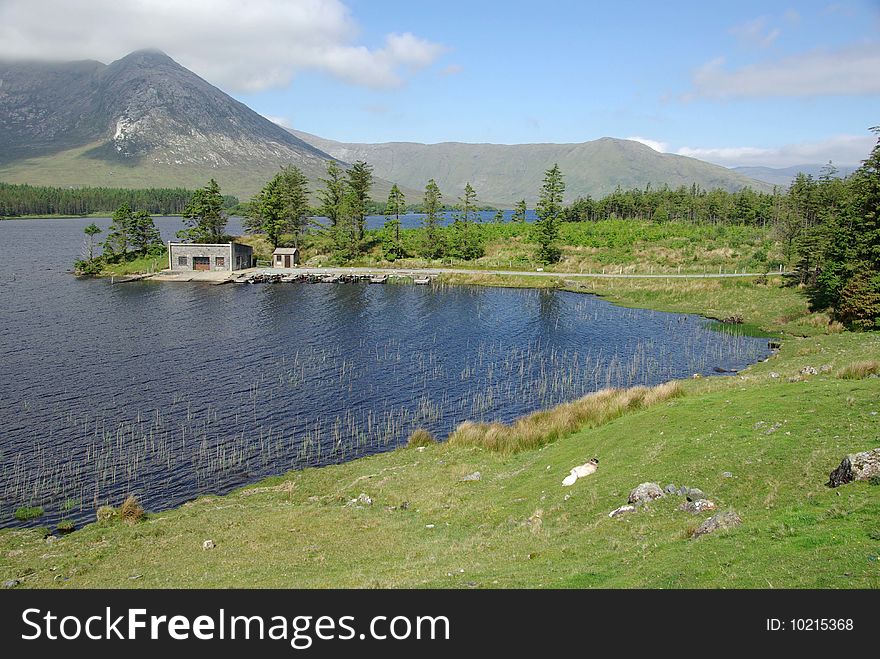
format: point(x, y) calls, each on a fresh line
point(612, 246)
point(776, 432)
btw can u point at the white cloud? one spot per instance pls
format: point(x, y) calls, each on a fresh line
point(756, 33)
point(245, 46)
point(662, 147)
point(848, 71)
point(284, 122)
point(841, 150)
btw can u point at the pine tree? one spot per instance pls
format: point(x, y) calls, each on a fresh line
point(144, 234)
point(549, 212)
point(519, 212)
point(118, 233)
point(281, 207)
point(204, 216)
point(360, 180)
point(391, 245)
point(91, 231)
point(433, 247)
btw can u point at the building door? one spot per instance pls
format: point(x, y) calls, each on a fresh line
point(201, 263)
point(287, 260)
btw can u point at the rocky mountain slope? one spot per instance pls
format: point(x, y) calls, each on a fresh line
point(141, 120)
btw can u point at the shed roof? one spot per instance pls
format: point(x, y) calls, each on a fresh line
point(285, 250)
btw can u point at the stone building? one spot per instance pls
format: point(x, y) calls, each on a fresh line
point(202, 256)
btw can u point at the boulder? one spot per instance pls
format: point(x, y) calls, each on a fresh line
point(623, 510)
point(856, 467)
point(11, 583)
point(719, 521)
point(809, 370)
point(670, 489)
point(698, 506)
point(644, 493)
point(695, 494)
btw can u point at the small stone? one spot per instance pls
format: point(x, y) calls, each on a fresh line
point(726, 520)
point(809, 370)
point(429, 526)
point(472, 477)
point(623, 510)
point(774, 374)
point(695, 494)
point(11, 583)
point(566, 497)
point(727, 474)
point(362, 499)
point(670, 489)
point(208, 544)
point(50, 539)
point(698, 506)
point(645, 492)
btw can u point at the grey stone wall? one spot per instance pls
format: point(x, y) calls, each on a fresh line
point(182, 255)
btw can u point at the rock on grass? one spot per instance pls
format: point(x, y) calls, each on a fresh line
point(726, 520)
point(856, 467)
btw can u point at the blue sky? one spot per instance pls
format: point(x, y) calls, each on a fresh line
point(772, 83)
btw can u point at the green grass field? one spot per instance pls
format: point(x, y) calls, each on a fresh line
point(517, 526)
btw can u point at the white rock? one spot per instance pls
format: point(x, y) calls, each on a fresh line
point(569, 480)
point(208, 544)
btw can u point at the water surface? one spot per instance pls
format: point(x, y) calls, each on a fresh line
point(171, 390)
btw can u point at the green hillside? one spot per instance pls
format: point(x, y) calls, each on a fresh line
point(761, 443)
point(503, 174)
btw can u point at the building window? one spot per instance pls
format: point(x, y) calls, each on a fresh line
point(181, 260)
point(220, 261)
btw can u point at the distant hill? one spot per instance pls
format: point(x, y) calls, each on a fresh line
point(141, 121)
point(783, 176)
point(503, 174)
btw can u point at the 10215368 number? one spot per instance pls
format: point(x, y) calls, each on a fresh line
point(820, 624)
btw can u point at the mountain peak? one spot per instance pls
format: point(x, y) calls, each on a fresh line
point(147, 57)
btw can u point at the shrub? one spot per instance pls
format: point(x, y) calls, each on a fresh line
point(24, 513)
point(131, 511)
point(859, 305)
point(106, 514)
point(421, 437)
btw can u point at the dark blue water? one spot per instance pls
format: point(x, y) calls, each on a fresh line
point(170, 390)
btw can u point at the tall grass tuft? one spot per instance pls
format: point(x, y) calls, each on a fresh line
point(540, 428)
point(859, 370)
point(421, 437)
point(131, 511)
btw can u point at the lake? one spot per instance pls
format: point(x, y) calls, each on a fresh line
point(171, 390)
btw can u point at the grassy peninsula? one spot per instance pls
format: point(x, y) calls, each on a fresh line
point(761, 443)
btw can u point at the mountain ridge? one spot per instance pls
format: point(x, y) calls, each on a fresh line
point(504, 173)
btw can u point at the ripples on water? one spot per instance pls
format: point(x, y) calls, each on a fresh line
point(170, 390)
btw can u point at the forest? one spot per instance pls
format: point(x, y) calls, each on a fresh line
point(18, 200)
